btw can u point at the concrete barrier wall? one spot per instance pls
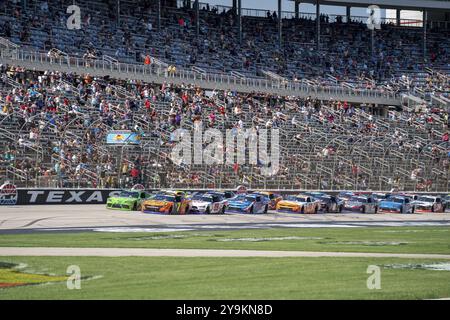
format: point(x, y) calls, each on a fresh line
point(43, 196)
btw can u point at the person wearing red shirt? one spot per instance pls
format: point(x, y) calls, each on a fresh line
point(135, 174)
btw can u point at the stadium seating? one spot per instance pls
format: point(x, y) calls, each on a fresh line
point(67, 146)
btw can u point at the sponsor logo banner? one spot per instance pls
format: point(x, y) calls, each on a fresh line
point(64, 196)
point(122, 137)
point(8, 194)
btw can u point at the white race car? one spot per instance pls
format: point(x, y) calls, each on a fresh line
point(428, 204)
point(208, 203)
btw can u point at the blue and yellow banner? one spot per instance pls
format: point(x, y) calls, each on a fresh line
point(123, 137)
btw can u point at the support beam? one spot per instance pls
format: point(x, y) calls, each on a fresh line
point(279, 25)
point(118, 12)
point(197, 18)
point(372, 42)
point(425, 21)
point(348, 13)
point(159, 15)
point(297, 9)
point(397, 12)
point(317, 25)
point(239, 20)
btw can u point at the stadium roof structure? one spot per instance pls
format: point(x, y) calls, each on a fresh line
point(388, 4)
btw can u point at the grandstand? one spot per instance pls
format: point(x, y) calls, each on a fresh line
point(354, 112)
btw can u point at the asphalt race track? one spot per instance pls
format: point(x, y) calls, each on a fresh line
point(82, 218)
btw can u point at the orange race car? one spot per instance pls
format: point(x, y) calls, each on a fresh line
point(167, 203)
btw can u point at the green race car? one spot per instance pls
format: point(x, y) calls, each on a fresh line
point(128, 200)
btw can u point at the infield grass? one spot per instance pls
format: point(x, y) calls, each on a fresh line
point(230, 278)
point(387, 239)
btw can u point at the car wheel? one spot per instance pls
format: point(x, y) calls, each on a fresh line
point(251, 209)
point(402, 209)
point(412, 210)
point(363, 209)
point(266, 208)
point(340, 209)
point(327, 209)
point(316, 210)
point(207, 211)
point(303, 210)
point(223, 210)
point(376, 209)
point(135, 207)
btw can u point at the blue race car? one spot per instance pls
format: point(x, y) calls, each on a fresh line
point(396, 204)
point(248, 203)
point(378, 197)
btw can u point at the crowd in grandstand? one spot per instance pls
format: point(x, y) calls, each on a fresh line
point(345, 54)
point(67, 116)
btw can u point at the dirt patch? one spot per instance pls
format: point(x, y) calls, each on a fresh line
point(440, 266)
point(368, 243)
point(266, 239)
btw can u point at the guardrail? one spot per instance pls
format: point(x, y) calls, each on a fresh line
point(40, 60)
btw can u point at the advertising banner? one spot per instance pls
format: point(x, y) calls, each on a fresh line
point(122, 137)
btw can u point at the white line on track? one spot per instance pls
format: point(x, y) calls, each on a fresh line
point(139, 252)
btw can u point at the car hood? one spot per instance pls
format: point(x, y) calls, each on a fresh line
point(290, 203)
point(199, 203)
point(390, 204)
point(121, 199)
point(157, 203)
point(353, 203)
point(240, 203)
point(422, 203)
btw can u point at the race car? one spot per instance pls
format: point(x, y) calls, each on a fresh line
point(224, 194)
point(329, 203)
point(378, 197)
point(127, 200)
point(446, 201)
point(248, 203)
point(345, 195)
point(299, 204)
point(362, 204)
point(208, 203)
point(396, 204)
point(167, 203)
point(273, 197)
point(428, 204)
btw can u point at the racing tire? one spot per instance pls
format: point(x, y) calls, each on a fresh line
point(223, 210)
point(316, 210)
point(340, 209)
point(266, 209)
point(135, 207)
point(363, 209)
point(413, 209)
point(402, 209)
point(207, 211)
point(302, 211)
point(376, 210)
point(251, 210)
point(327, 209)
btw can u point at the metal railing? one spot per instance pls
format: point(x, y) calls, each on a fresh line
point(252, 84)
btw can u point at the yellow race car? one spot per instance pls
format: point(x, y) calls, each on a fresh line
point(167, 203)
point(298, 204)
